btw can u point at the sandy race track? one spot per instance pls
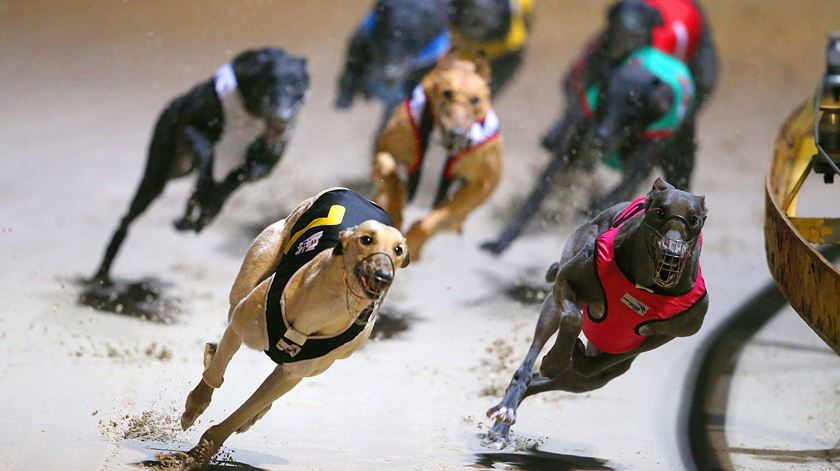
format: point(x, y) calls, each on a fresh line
point(82, 83)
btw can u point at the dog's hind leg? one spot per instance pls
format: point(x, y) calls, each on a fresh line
point(278, 383)
point(547, 325)
point(151, 186)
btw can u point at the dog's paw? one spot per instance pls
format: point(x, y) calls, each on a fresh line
point(197, 403)
point(502, 414)
point(498, 437)
point(495, 247)
point(183, 224)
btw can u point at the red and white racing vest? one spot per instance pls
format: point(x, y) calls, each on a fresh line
point(682, 27)
point(421, 117)
point(627, 307)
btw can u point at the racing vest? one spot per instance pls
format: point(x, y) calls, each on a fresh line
point(669, 70)
point(682, 27)
point(627, 307)
point(514, 40)
point(240, 128)
point(316, 230)
point(421, 117)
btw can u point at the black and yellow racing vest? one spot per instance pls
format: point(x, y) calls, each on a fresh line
point(514, 41)
point(316, 230)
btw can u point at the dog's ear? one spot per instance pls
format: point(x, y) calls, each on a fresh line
point(701, 200)
point(407, 259)
point(660, 184)
point(482, 66)
point(449, 58)
point(652, 17)
point(343, 237)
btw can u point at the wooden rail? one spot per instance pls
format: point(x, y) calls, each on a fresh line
point(809, 281)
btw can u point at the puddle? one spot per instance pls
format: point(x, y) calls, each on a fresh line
point(144, 299)
point(537, 461)
point(392, 322)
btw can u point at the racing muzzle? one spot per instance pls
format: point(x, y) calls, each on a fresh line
point(669, 256)
point(375, 273)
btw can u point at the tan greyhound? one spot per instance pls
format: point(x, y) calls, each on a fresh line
point(307, 295)
point(454, 99)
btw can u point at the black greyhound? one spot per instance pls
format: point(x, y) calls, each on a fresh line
point(253, 99)
point(498, 29)
point(398, 42)
point(638, 262)
point(640, 117)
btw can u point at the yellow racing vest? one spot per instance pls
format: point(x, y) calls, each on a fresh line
point(514, 41)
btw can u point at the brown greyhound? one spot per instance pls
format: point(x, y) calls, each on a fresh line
point(307, 295)
point(454, 99)
point(639, 262)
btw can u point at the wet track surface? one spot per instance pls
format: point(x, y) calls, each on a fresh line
point(83, 84)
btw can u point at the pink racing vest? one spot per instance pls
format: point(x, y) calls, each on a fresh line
point(682, 27)
point(628, 307)
point(421, 117)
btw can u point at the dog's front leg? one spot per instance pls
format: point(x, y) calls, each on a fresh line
point(202, 149)
point(685, 324)
point(638, 166)
point(277, 383)
point(216, 359)
point(356, 66)
point(390, 190)
point(453, 213)
point(504, 413)
point(261, 157)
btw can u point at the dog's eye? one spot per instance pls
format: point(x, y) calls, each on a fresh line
point(398, 250)
point(693, 220)
point(366, 240)
point(658, 212)
point(475, 101)
point(448, 95)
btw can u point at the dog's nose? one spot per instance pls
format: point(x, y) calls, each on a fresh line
point(384, 275)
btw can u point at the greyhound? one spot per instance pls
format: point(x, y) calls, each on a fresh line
point(394, 47)
point(639, 118)
point(630, 280)
point(499, 29)
point(245, 113)
point(676, 27)
point(307, 294)
point(453, 99)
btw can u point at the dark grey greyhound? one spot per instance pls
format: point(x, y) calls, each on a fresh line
point(630, 280)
